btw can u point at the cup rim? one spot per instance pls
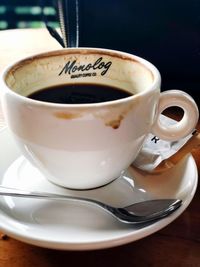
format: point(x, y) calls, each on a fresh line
point(124, 55)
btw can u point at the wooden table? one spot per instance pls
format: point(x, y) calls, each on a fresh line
point(176, 245)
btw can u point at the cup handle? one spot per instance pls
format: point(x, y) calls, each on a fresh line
point(186, 125)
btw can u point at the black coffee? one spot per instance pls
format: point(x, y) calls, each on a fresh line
point(79, 94)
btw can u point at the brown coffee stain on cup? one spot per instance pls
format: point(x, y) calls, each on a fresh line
point(114, 115)
point(115, 124)
point(67, 115)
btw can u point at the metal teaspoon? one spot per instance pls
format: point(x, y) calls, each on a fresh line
point(137, 213)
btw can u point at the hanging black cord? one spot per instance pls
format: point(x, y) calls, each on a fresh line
point(69, 21)
point(51, 30)
point(55, 35)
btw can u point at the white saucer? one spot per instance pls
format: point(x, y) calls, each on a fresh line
point(78, 226)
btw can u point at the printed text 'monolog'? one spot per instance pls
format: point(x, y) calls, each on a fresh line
point(71, 67)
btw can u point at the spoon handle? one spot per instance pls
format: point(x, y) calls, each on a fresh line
point(13, 192)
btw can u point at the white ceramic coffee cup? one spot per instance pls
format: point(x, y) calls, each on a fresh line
point(84, 146)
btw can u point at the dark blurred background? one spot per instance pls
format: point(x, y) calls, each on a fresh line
point(167, 33)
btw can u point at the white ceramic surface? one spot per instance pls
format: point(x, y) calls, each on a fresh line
point(78, 226)
point(84, 146)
